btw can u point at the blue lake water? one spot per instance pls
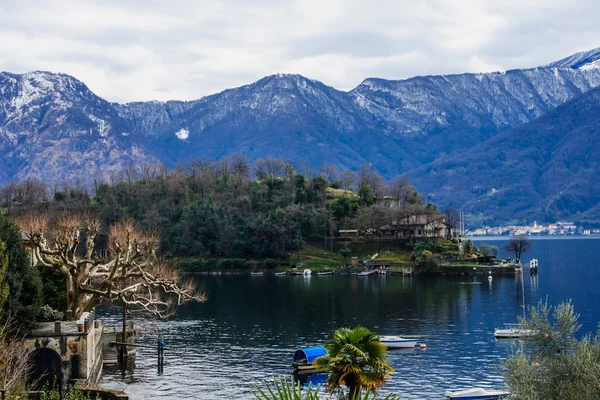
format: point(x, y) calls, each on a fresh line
point(249, 327)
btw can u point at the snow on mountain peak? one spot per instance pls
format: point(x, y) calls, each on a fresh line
point(579, 60)
point(592, 65)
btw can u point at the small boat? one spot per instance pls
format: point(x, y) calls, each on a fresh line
point(533, 266)
point(512, 331)
point(476, 394)
point(325, 273)
point(304, 359)
point(397, 342)
point(307, 272)
point(256, 273)
point(367, 273)
point(280, 273)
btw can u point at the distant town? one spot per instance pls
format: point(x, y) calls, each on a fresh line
point(555, 229)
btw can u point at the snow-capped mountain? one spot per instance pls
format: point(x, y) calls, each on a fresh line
point(53, 127)
point(582, 60)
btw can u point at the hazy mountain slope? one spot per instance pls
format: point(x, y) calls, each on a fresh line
point(546, 169)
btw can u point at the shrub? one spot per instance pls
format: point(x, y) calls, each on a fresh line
point(315, 237)
point(233, 264)
point(270, 263)
point(555, 364)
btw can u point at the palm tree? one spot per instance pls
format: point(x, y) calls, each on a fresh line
point(355, 358)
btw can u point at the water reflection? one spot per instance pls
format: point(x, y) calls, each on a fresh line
point(248, 329)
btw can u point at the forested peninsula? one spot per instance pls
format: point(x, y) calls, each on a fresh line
point(236, 212)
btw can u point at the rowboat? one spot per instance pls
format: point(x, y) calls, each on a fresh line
point(256, 273)
point(476, 394)
point(280, 273)
point(325, 273)
point(397, 342)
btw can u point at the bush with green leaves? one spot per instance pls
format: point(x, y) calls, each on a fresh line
point(74, 393)
point(287, 389)
point(488, 250)
point(233, 264)
point(270, 263)
point(554, 364)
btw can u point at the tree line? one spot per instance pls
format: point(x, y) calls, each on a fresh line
point(231, 207)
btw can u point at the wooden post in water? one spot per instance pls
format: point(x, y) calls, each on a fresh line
point(123, 352)
point(161, 353)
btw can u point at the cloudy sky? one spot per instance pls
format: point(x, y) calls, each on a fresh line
point(146, 49)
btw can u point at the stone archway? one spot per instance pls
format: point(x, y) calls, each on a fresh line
point(46, 367)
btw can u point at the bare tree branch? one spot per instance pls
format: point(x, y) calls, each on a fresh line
point(133, 275)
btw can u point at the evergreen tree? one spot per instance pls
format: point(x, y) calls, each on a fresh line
point(23, 279)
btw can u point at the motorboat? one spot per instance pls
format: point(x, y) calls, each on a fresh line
point(397, 342)
point(307, 272)
point(512, 331)
point(477, 394)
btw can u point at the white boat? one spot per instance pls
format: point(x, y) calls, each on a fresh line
point(477, 394)
point(256, 273)
point(307, 272)
point(397, 342)
point(367, 273)
point(325, 273)
point(280, 273)
point(512, 331)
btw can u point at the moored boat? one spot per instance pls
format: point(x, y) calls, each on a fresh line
point(476, 394)
point(367, 273)
point(280, 273)
point(325, 273)
point(512, 331)
point(304, 359)
point(307, 272)
point(397, 342)
point(256, 273)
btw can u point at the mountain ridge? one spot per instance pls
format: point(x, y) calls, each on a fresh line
point(53, 127)
point(542, 170)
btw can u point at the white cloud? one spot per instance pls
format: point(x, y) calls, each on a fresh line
point(143, 50)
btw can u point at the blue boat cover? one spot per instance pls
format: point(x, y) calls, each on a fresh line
point(309, 353)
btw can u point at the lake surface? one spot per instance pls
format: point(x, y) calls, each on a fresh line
point(249, 328)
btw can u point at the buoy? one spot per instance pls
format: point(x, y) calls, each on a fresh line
point(423, 346)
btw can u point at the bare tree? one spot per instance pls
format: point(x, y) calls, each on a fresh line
point(240, 165)
point(518, 245)
point(348, 179)
point(133, 275)
point(329, 172)
point(452, 216)
point(14, 358)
